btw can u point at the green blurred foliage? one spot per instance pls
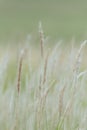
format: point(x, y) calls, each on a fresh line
point(61, 19)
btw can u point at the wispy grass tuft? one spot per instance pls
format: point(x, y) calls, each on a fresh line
point(54, 95)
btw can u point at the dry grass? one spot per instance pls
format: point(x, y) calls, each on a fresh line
point(54, 94)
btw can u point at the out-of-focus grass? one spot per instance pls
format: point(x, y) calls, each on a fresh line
point(58, 102)
point(61, 19)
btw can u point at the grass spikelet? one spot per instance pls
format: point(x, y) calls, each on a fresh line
point(78, 57)
point(20, 70)
point(45, 68)
point(16, 121)
point(41, 40)
point(77, 65)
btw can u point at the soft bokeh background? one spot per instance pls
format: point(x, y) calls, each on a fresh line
point(43, 86)
point(61, 19)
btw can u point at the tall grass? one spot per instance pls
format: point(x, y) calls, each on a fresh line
point(54, 95)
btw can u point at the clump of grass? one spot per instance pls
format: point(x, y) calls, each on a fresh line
point(54, 97)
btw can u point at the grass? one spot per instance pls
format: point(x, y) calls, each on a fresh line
point(46, 90)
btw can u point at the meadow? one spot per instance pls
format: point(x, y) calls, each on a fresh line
point(44, 89)
point(43, 74)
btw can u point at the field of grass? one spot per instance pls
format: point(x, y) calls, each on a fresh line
point(43, 86)
point(45, 89)
point(61, 19)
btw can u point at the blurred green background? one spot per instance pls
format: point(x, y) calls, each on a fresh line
point(61, 19)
